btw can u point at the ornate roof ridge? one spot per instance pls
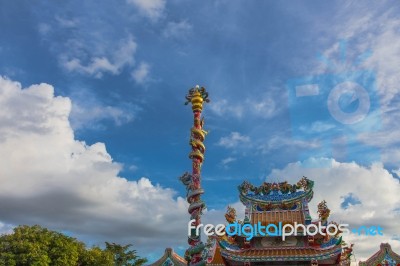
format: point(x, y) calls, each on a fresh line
point(283, 247)
point(276, 192)
point(216, 258)
point(169, 254)
point(284, 187)
point(379, 255)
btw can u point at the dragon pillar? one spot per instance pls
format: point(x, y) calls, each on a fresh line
point(195, 255)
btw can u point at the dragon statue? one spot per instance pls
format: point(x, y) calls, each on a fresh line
point(196, 254)
point(305, 184)
point(346, 254)
point(282, 187)
point(323, 212)
point(230, 215)
point(245, 187)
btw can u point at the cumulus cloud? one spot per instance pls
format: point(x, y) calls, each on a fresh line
point(50, 178)
point(152, 9)
point(140, 74)
point(233, 140)
point(356, 195)
point(122, 56)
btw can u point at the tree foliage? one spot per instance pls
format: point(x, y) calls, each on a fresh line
point(123, 256)
point(38, 246)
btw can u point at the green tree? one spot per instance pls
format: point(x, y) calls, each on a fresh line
point(96, 257)
point(124, 256)
point(37, 246)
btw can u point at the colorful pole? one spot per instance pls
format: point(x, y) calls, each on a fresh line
point(194, 254)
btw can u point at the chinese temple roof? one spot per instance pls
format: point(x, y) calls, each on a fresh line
point(274, 217)
point(170, 258)
point(276, 193)
point(283, 254)
point(385, 256)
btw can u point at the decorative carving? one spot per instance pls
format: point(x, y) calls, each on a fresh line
point(282, 187)
point(230, 215)
point(323, 211)
point(347, 252)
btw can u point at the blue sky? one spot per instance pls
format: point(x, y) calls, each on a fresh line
point(123, 68)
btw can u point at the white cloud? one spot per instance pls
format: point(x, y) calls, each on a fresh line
point(177, 29)
point(49, 178)
point(374, 186)
point(140, 74)
point(133, 168)
point(233, 140)
point(317, 127)
point(369, 29)
point(387, 140)
point(280, 142)
point(227, 161)
point(152, 9)
point(374, 30)
point(98, 65)
point(44, 28)
point(88, 45)
point(222, 107)
point(264, 106)
point(217, 216)
point(89, 112)
point(91, 115)
point(66, 23)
